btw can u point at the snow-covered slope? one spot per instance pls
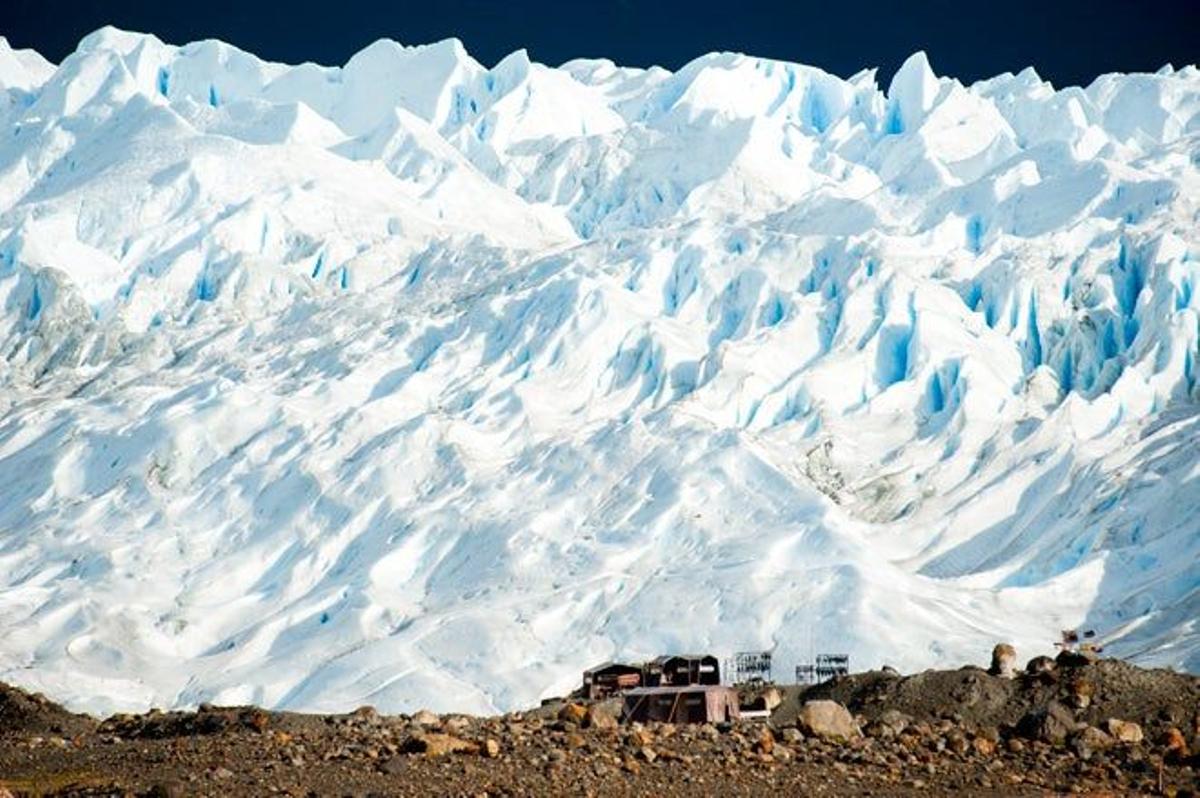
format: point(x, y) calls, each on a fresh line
point(415, 382)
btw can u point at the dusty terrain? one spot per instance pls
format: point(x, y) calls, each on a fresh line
point(938, 732)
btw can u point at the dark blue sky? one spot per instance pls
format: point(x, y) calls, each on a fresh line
point(1068, 42)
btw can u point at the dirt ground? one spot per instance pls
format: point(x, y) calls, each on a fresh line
point(960, 732)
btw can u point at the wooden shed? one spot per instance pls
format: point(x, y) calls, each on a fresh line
point(695, 703)
point(610, 678)
point(681, 669)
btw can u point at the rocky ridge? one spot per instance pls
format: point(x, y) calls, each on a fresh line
point(1131, 731)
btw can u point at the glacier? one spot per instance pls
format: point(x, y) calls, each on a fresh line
point(414, 382)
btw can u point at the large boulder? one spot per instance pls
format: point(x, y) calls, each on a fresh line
point(572, 713)
point(1039, 665)
point(599, 717)
point(827, 719)
point(1089, 740)
point(1004, 661)
point(889, 724)
point(1050, 725)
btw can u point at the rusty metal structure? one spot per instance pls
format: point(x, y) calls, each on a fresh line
point(806, 673)
point(675, 670)
point(752, 667)
point(609, 678)
point(830, 666)
point(693, 703)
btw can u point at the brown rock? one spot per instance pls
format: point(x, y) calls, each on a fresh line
point(1040, 664)
point(575, 740)
point(1174, 742)
point(1124, 731)
point(1089, 740)
point(647, 753)
point(640, 738)
point(829, 720)
point(258, 720)
point(1081, 692)
point(957, 742)
point(1050, 725)
point(491, 748)
point(1074, 659)
point(426, 718)
point(435, 744)
point(792, 735)
point(983, 746)
point(765, 742)
point(573, 713)
point(1004, 661)
point(597, 717)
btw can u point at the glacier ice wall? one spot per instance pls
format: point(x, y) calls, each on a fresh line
point(416, 382)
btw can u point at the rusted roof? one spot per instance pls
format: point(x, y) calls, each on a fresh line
point(668, 657)
point(681, 688)
point(606, 665)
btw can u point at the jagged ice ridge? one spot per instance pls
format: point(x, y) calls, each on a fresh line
point(414, 382)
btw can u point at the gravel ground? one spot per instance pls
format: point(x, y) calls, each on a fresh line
point(935, 733)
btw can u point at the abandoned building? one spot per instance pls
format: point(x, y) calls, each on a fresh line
point(610, 678)
point(692, 703)
point(675, 670)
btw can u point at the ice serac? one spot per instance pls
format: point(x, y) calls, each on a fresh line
point(417, 382)
point(911, 94)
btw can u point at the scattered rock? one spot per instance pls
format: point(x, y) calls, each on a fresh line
point(437, 744)
point(162, 789)
point(393, 766)
point(1124, 731)
point(597, 717)
point(1050, 725)
point(829, 720)
point(491, 748)
point(765, 742)
point(640, 737)
point(1040, 665)
point(573, 713)
point(1075, 659)
point(892, 722)
point(1174, 743)
point(1081, 692)
point(426, 718)
point(983, 746)
point(1004, 661)
point(1089, 740)
point(258, 720)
